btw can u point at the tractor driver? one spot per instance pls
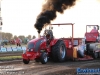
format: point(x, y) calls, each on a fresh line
point(49, 35)
point(94, 30)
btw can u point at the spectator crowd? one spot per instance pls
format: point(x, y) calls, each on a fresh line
point(16, 41)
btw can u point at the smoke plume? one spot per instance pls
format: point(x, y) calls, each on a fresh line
point(49, 11)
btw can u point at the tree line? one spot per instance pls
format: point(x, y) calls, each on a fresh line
point(9, 36)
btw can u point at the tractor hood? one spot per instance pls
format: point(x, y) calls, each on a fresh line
point(35, 43)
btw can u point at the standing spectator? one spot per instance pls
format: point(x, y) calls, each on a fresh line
point(14, 41)
point(28, 40)
point(18, 42)
point(25, 40)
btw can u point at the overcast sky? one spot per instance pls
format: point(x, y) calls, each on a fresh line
point(19, 17)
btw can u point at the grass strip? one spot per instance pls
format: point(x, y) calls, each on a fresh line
point(10, 58)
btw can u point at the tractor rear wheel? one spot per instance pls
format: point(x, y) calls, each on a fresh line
point(44, 58)
point(26, 61)
point(59, 51)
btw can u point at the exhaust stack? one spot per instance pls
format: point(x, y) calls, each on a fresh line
point(38, 35)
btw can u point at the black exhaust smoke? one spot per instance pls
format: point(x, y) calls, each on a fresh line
point(49, 11)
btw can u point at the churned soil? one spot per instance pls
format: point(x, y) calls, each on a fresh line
point(51, 68)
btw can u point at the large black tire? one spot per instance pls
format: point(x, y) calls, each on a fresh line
point(26, 61)
point(95, 55)
point(80, 54)
point(87, 49)
point(44, 58)
point(97, 41)
point(59, 51)
point(99, 54)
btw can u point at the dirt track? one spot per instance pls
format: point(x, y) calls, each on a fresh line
point(51, 68)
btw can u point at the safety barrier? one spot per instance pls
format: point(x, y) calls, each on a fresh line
point(12, 49)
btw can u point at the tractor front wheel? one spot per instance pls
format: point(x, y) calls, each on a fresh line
point(59, 51)
point(26, 61)
point(44, 58)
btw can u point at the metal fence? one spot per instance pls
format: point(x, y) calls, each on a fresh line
point(12, 49)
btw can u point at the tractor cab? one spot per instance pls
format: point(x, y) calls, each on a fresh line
point(92, 34)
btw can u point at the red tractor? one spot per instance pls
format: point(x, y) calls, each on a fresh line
point(47, 46)
point(92, 40)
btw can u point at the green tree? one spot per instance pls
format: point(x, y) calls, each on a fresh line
point(8, 36)
point(29, 37)
point(14, 37)
point(21, 37)
point(3, 35)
